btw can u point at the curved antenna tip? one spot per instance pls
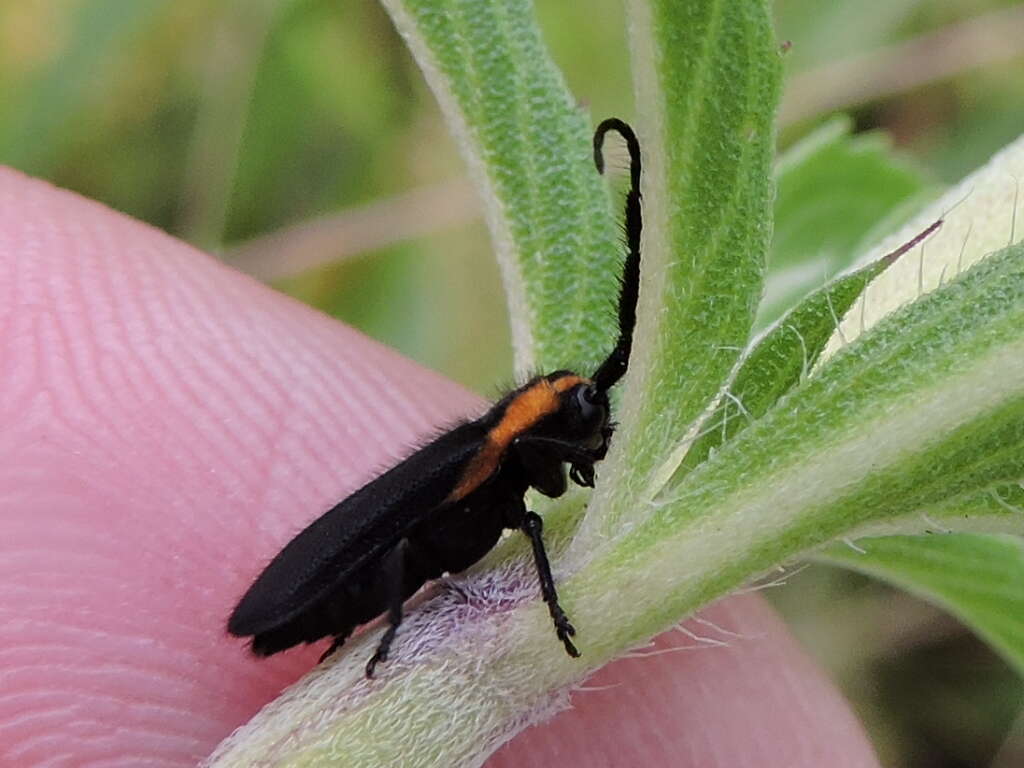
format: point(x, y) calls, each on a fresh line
point(622, 128)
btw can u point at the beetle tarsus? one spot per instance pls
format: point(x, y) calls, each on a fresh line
point(564, 629)
point(381, 654)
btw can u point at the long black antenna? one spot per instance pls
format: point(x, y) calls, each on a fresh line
point(614, 366)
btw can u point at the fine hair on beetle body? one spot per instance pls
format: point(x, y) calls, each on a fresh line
point(442, 508)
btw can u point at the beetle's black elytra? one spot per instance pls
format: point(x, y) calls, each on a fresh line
point(444, 507)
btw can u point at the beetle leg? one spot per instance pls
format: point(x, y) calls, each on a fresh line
point(335, 645)
point(543, 468)
point(533, 527)
point(392, 577)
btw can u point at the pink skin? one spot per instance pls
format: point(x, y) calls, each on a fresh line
point(167, 424)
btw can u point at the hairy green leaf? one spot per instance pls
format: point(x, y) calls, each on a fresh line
point(926, 407)
point(999, 508)
point(527, 145)
point(783, 357)
point(981, 214)
point(835, 194)
point(707, 78)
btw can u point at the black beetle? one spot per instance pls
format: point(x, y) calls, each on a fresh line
point(444, 507)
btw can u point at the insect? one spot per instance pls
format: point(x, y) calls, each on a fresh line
point(445, 506)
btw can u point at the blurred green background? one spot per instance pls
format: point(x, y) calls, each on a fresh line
point(297, 140)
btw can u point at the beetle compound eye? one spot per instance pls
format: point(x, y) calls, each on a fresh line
point(586, 399)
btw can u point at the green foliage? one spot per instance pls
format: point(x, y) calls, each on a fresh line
point(979, 579)
point(708, 80)
point(835, 194)
point(927, 406)
point(289, 168)
point(827, 31)
point(779, 360)
point(527, 145)
point(44, 122)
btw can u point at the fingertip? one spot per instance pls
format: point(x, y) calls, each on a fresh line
point(168, 424)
